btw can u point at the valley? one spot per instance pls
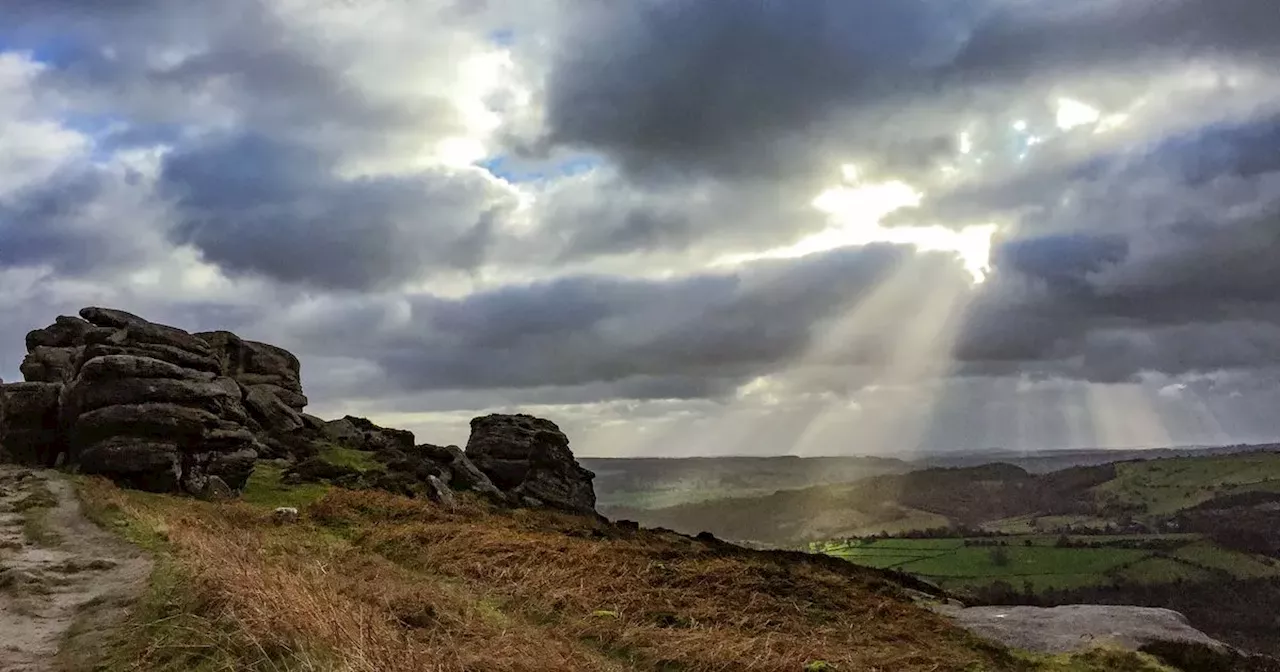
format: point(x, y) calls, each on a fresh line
point(1178, 530)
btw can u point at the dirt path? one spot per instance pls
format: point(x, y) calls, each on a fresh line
point(56, 569)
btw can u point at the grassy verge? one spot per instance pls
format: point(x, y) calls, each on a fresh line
point(369, 581)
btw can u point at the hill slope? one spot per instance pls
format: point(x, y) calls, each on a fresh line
point(371, 581)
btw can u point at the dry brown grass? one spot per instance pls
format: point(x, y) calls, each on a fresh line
point(373, 582)
point(297, 597)
point(658, 600)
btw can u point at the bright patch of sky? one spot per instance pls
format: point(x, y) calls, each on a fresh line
point(1073, 113)
point(856, 210)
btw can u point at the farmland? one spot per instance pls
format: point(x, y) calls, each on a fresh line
point(1178, 531)
point(1035, 563)
point(1157, 487)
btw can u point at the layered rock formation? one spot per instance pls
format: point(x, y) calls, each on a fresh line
point(529, 458)
point(161, 409)
point(146, 404)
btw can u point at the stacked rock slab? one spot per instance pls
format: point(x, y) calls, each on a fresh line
point(30, 412)
point(361, 434)
point(529, 459)
point(260, 366)
point(151, 406)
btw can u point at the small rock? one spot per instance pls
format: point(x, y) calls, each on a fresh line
point(440, 493)
point(216, 490)
point(284, 515)
point(291, 478)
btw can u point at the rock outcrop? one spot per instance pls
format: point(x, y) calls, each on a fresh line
point(270, 377)
point(149, 405)
point(361, 434)
point(52, 352)
point(529, 459)
point(158, 408)
point(30, 414)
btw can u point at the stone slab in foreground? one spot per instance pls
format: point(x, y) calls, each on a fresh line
point(1074, 628)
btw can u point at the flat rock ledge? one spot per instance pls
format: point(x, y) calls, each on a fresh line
point(1074, 628)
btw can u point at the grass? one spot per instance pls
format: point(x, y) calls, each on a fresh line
point(1023, 561)
point(1168, 485)
point(1156, 569)
point(1239, 565)
point(360, 460)
point(1023, 524)
point(369, 581)
point(265, 489)
point(1035, 561)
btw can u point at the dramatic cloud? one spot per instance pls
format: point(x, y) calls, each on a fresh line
point(252, 205)
point(675, 226)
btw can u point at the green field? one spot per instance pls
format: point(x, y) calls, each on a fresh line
point(1168, 485)
point(1033, 524)
point(1240, 565)
point(1155, 569)
point(1037, 563)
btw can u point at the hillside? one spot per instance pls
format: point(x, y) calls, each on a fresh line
point(996, 497)
point(652, 483)
point(649, 483)
point(371, 581)
point(1174, 532)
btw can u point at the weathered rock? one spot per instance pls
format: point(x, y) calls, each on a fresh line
point(47, 364)
point(362, 434)
point(138, 330)
point(220, 396)
point(395, 483)
point(155, 466)
point(253, 363)
point(65, 332)
point(526, 456)
point(144, 403)
point(465, 475)
point(156, 420)
point(234, 467)
point(294, 400)
point(270, 412)
point(440, 493)
point(294, 446)
point(216, 490)
point(31, 432)
point(312, 422)
point(187, 360)
point(316, 469)
point(115, 367)
point(1077, 627)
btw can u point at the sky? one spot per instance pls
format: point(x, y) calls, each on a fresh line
point(675, 227)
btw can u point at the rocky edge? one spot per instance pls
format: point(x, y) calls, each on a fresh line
point(157, 408)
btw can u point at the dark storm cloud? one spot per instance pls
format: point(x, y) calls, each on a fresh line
point(771, 87)
point(1175, 275)
point(1038, 39)
point(60, 223)
point(1063, 259)
point(611, 336)
point(256, 206)
point(601, 215)
point(743, 88)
